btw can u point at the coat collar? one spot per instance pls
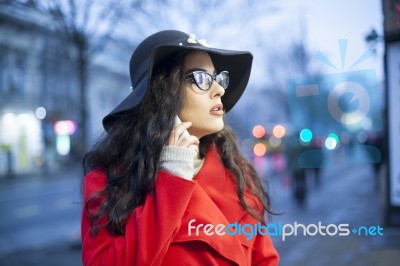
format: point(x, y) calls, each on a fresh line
point(215, 201)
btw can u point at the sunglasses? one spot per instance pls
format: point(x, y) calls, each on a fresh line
point(204, 81)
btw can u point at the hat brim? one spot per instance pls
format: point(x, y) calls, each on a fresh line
point(237, 63)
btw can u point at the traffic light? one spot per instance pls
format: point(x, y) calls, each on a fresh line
point(64, 129)
point(279, 131)
point(306, 135)
point(260, 149)
point(259, 131)
point(332, 141)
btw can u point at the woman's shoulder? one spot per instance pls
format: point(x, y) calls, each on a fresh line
point(94, 181)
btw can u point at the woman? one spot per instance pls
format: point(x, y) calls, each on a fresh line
point(160, 192)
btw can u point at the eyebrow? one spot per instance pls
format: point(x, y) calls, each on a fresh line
point(198, 69)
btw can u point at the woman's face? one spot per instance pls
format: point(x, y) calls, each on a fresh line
point(203, 108)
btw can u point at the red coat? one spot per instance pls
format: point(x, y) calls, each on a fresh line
point(157, 232)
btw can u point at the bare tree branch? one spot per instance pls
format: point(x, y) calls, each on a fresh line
point(87, 26)
point(108, 23)
point(86, 11)
point(72, 12)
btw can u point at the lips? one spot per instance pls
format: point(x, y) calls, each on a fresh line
point(217, 109)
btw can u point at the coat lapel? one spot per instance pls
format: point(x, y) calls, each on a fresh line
point(214, 202)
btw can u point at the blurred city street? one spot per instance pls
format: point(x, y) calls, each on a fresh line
point(347, 194)
point(40, 223)
point(40, 219)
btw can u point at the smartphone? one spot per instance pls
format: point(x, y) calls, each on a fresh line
point(177, 122)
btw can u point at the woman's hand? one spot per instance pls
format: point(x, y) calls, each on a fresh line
point(179, 152)
point(179, 138)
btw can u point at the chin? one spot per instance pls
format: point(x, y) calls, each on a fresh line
point(216, 128)
point(217, 125)
point(211, 130)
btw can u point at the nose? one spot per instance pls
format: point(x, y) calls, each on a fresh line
point(216, 90)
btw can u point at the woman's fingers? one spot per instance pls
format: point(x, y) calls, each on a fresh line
point(185, 141)
point(180, 137)
point(181, 130)
point(177, 132)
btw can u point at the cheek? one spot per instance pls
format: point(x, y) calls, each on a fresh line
point(189, 112)
point(193, 107)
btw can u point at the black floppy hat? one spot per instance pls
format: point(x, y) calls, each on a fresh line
point(160, 46)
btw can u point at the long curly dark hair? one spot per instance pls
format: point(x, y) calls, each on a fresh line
point(129, 153)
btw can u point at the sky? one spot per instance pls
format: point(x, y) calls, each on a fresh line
point(328, 21)
point(321, 26)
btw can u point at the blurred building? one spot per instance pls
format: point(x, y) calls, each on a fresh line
point(391, 206)
point(109, 83)
point(39, 92)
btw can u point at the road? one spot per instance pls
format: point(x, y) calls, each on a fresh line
point(38, 212)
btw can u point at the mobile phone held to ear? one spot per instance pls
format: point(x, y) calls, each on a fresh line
point(177, 122)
